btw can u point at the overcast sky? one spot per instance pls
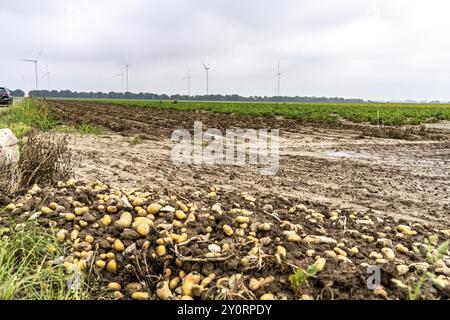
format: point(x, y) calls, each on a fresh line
point(386, 49)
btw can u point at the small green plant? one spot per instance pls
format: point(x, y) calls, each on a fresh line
point(136, 140)
point(87, 128)
point(434, 253)
point(300, 277)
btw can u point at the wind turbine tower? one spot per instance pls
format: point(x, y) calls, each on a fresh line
point(188, 78)
point(126, 73)
point(207, 68)
point(278, 75)
point(35, 61)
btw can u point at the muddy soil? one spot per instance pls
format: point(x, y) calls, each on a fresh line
point(343, 166)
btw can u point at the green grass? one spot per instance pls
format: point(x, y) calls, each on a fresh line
point(86, 128)
point(30, 266)
point(394, 114)
point(136, 140)
point(25, 115)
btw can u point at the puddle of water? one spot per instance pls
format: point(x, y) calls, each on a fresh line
point(347, 154)
point(339, 154)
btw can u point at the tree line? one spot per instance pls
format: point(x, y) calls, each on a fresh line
point(17, 93)
point(154, 96)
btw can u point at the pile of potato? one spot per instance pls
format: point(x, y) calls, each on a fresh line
point(209, 245)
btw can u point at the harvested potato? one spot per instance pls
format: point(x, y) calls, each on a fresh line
point(111, 266)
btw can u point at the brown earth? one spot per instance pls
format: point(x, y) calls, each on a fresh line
point(345, 166)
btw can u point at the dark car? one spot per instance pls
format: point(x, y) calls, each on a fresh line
point(5, 97)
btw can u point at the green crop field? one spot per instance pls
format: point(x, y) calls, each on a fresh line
point(393, 114)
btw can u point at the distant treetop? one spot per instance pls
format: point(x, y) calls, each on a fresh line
point(154, 96)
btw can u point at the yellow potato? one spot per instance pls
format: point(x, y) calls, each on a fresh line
point(61, 235)
point(320, 264)
point(188, 282)
point(180, 215)
point(267, 296)
point(161, 250)
point(153, 208)
point(139, 295)
point(111, 209)
point(74, 235)
point(53, 205)
point(242, 219)
point(294, 238)
point(118, 245)
point(143, 229)
point(81, 210)
point(228, 230)
point(182, 206)
point(111, 266)
point(281, 251)
point(174, 283)
point(100, 264)
point(164, 292)
point(106, 220)
point(114, 286)
point(89, 239)
point(70, 217)
point(46, 210)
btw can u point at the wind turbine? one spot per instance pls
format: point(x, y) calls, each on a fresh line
point(126, 71)
point(119, 75)
point(207, 68)
point(35, 61)
point(188, 77)
point(278, 74)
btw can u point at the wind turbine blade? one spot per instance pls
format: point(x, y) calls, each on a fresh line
point(204, 66)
